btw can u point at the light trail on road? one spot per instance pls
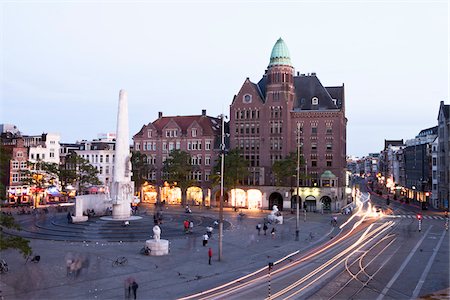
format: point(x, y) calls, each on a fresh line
point(362, 269)
point(364, 211)
point(334, 262)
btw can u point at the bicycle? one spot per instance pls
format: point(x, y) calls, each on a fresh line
point(35, 259)
point(3, 266)
point(145, 251)
point(120, 261)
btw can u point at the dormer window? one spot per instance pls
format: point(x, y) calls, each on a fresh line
point(149, 133)
point(194, 132)
point(315, 101)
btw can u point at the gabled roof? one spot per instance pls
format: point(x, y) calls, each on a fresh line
point(255, 87)
point(209, 125)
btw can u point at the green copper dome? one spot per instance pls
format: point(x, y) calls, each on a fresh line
point(280, 54)
point(327, 175)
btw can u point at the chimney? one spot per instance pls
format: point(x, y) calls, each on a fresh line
point(160, 115)
point(203, 112)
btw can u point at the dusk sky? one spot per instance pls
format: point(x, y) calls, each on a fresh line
point(63, 63)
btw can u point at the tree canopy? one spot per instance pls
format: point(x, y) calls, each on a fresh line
point(5, 158)
point(77, 171)
point(40, 174)
point(284, 170)
point(141, 169)
point(14, 242)
point(235, 169)
point(177, 168)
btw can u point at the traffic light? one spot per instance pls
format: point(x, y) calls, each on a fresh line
point(419, 216)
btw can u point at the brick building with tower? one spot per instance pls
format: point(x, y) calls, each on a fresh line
point(269, 118)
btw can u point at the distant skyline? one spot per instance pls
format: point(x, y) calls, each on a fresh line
point(63, 63)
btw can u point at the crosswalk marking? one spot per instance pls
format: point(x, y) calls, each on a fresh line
point(414, 216)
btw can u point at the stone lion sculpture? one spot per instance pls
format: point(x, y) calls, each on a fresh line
point(156, 233)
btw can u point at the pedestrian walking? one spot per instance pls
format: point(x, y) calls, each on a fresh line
point(265, 228)
point(209, 230)
point(334, 221)
point(191, 226)
point(128, 282)
point(258, 227)
point(205, 239)
point(273, 232)
point(134, 287)
point(186, 226)
point(209, 255)
point(69, 218)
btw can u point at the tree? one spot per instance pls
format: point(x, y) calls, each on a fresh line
point(77, 171)
point(14, 242)
point(284, 170)
point(235, 169)
point(141, 168)
point(40, 175)
point(5, 158)
point(177, 168)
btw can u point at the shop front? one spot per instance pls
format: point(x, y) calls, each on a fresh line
point(19, 195)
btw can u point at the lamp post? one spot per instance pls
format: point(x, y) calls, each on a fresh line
point(222, 157)
point(298, 183)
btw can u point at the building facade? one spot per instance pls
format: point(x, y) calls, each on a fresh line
point(418, 165)
point(17, 191)
point(24, 152)
point(198, 135)
point(443, 155)
point(284, 111)
point(434, 199)
point(45, 147)
point(100, 154)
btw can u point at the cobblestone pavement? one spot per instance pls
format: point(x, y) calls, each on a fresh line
point(184, 271)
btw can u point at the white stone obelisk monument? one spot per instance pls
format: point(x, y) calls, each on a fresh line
point(122, 189)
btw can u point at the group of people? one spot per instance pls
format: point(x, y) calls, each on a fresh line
point(90, 213)
point(188, 226)
point(74, 263)
point(265, 227)
point(134, 210)
point(207, 235)
point(131, 286)
point(158, 217)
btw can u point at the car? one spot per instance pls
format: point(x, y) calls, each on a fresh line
point(378, 209)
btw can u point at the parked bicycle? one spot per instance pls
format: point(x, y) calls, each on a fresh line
point(145, 251)
point(3, 266)
point(34, 259)
point(120, 261)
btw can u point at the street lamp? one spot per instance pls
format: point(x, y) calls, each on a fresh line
point(222, 157)
point(298, 183)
